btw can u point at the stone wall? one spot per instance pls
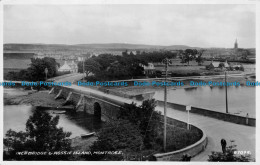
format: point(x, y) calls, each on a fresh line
point(191, 150)
point(214, 114)
point(138, 97)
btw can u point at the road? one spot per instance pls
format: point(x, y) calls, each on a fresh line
point(244, 136)
point(68, 77)
point(215, 129)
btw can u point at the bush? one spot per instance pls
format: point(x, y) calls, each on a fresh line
point(117, 136)
point(178, 138)
point(229, 156)
point(210, 67)
point(145, 118)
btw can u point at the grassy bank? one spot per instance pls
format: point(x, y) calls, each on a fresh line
point(21, 96)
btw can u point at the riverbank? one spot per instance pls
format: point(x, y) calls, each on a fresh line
point(79, 144)
point(137, 90)
point(27, 97)
point(21, 97)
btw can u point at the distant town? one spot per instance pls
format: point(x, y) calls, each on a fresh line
point(68, 56)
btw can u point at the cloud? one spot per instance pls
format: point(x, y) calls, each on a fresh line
point(194, 25)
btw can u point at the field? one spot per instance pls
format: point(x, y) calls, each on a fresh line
point(16, 63)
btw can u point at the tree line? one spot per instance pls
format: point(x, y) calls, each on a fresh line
point(111, 67)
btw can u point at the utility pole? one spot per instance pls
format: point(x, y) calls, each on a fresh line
point(226, 92)
point(46, 73)
point(83, 65)
point(166, 62)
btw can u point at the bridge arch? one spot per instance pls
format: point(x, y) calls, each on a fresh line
point(97, 111)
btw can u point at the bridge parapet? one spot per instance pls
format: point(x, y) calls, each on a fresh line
point(85, 101)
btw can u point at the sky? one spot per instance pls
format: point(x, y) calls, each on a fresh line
point(175, 24)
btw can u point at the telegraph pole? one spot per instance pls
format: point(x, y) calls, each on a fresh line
point(83, 65)
point(46, 72)
point(226, 92)
point(166, 61)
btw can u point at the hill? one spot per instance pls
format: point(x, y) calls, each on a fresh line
point(114, 46)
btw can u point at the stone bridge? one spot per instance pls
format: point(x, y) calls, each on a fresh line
point(101, 106)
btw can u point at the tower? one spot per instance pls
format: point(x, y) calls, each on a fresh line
point(236, 45)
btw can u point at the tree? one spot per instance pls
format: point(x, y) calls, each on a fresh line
point(145, 118)
point(229, 156)
point(120, 135)
point(36, 70)
point(241, 68)
point(41, 135)
point(199, 58)
point(90, 66)
point(37, 67)
point(116, 70)
point(125, 53)
point(188, 55)
point(221, 65)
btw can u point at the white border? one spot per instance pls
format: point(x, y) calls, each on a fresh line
point(104, 2)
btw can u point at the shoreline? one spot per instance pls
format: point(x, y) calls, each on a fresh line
point(35, 98)
point(44, 101)
point(136, 90)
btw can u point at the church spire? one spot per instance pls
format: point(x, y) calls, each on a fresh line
point(236, 44)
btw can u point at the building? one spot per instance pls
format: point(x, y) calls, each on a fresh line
point(236, 45)
point(39, 55)
point(71, 67)
point(249, 68)
point(149, 69)
point(214, 65)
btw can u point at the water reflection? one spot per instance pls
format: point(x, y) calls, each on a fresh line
point(190, 89)
point(16, 116)
point(241, 100)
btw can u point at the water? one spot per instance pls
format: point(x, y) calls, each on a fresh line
point(16, 116)
point(241, 100)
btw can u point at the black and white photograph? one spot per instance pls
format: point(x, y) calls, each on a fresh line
point(129, 81)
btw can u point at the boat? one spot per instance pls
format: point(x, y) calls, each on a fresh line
point(88, 135)
point(60, 112)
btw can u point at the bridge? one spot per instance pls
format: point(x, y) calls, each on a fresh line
point(106, 106)
point(95, 102)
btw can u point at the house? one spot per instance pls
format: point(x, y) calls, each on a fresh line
point(249, 68)
point(80, 58)
point(149, 69)
point(71, 67)
point(214, 65)
point(39, 55)
point(84, 57)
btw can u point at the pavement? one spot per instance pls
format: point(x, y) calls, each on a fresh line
point(73, 77)
point(244, 136)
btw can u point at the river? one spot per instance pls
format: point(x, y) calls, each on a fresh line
point(16, 116)
point(241, 99)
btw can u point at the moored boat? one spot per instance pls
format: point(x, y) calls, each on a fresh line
point(88, 135)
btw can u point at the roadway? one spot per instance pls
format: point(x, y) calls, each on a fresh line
point(244, 136)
